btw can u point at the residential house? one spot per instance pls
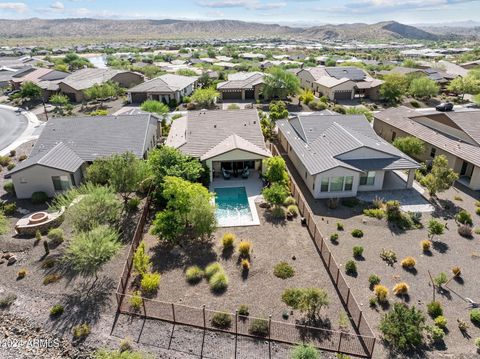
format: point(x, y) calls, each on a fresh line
point(242, 86)
point(340, 155)
point(66, 146)
point(164, 88)
point(21, 62)
point(6, 75)
point(455, 135)
point(74, 85)
point(471, 65)
point(340, 83)
point(37, 76)
point(252, 56)
point(229, 140)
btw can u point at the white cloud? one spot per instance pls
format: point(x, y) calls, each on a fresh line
point(57, 5)
point(386, 6)
point(14, 6)
point(247, 4)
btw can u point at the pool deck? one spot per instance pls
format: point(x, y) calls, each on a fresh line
point(253, 186)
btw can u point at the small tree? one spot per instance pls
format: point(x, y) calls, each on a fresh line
point(88, 251)
point(403, 327)
point(60, 101)
point(279, 83)
point(276, 170)
point(100, 92)
point(278, 110)
point(423, 88)
point(394, 87)
point(306, 96)
point(302, 351)
point(435, 228)
point(155, 107)
point(276, 194)
point(307, 300)
point(141, 260)
point(441, 176)
point(205, 97)
point(463, 85)
point(410, 145)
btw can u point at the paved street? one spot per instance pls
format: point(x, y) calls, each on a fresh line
point(12, 125)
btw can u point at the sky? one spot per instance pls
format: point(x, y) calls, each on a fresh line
point(288, 12)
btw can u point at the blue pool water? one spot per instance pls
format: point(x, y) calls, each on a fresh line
point(232, 206)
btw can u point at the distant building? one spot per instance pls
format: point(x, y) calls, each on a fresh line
point(242, 86)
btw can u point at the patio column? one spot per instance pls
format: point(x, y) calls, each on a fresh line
point(243, 95)
point(411, 177)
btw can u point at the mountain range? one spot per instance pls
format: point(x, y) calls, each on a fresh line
point(107, 30)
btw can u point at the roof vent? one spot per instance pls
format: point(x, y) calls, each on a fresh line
point(254, 122)
point(214, 126)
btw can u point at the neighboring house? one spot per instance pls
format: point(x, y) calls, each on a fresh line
point(251, 56)
point(471, 65)
point(66, 146)
point(340, 155)
point(163, 88)
point(455, 135)
point(340, 83)
point(36, 76)
point(242, 86)
point(6, 75)
point(21, 62)
point(74, 85)
point(230, 140)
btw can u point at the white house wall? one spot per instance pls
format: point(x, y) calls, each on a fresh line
point(377, 185)
point(336, 172)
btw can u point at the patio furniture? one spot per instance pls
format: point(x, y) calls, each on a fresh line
point(226, 174)
point(245, 172)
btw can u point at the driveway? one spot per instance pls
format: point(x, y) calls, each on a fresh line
point(12, 125)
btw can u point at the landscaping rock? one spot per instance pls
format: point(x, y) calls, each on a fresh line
point(11, 260)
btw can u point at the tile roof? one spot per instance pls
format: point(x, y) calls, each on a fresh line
point(319, 140)
point(242, 80)
point(205, 134)
point(166, 83)
point(86, 78)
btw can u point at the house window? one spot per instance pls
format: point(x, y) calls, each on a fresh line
point(348, 183)
point(433, 152)
point(394, 134)
point(367, 179)
point(60, 183)
point(324, 185)
point(336, 184)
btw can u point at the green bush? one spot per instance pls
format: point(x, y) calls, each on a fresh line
point(150, 282)
point(357, 251)
point(357, 233)
point(56, 236)
point(4, 161)
point(194, 274)
point(302, 351)
point(133, 204)
point(81, 331)
point(475, 316)
point(441, 321)
point(373, 279)
point(243, 310)
point(289, 201)
point(283, 270)
point(351, 268)
point(259, 327)
point(227, 240)
point(9, 209)
point(212, 269)
point(293, 210)
point(56, 310)
point(221, 320)
point(440, 279)
point(334, 237)
point(279, 213)
point(437, 333)
point(39, 197)
point(464, 217)
point(434, 309)
point(374, 212)
point(51, 278)
point(477, 211)
point(218, 282)
point(11, 166)
point(136, 301)
point(8, 187)
point(340, 226)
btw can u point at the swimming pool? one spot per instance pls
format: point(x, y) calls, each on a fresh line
point(233, 208)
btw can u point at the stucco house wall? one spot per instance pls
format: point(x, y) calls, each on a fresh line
point(128, 79)
point(336, 172)
point(234, 155)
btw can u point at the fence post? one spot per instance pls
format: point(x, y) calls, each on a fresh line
point(340, 342)
point(173, 312)
point(236, 331)
point(348, 297)
point(359, 319)
point(144, 308)
point(204, 320)
point(338, 274)
point(329, 259)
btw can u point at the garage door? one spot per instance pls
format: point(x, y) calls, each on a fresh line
point(342, 95)
point(138, 97)
point(249, 94)
point(233, 95)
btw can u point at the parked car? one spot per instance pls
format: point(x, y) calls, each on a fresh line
point(444, 107)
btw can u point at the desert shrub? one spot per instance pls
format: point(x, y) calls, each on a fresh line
point(22, 158)
point(150, 282)
point(244, 248)
point(381, 292)
point(81, 331)
point(136, 301)
point(434, 309)
point(11, 166)
point(289, 201)
point(133, 204)
point(357, 251)
point(372, 302)
point(464, 217)
point(48, 263)
point(8, 187)
point(221, 320)
point(9, 209)
point(373, 279)
point(283, 270)
point(477, 211)
point(400, 288)
point(426, 244)
point(408, 262)
point(212, 269)
point(477, 343)
point(7, 300)
point(334, 237)
point(227, 240)
point(317, 105)
point(293, 210)
point(194, 274)
point(351, 268)
point(437, 334)
point(440, 279)
point(259, 327)
point(475, 316)
point(218, 282)
point(243, 310)
point(374, 212)
point(278, 212)
point(357, 233)
point(392, 209)
point(22, 273)
point(388, 256)
point(465, 230)
point(56, 310)
point(302, 351)
point(51, 278)
point(340, 226)
point(457, 271)
point(39, 198)
point(441, 321)
point(4, 161)
point(4, 224)
point(55, 235)
point(245, 264)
